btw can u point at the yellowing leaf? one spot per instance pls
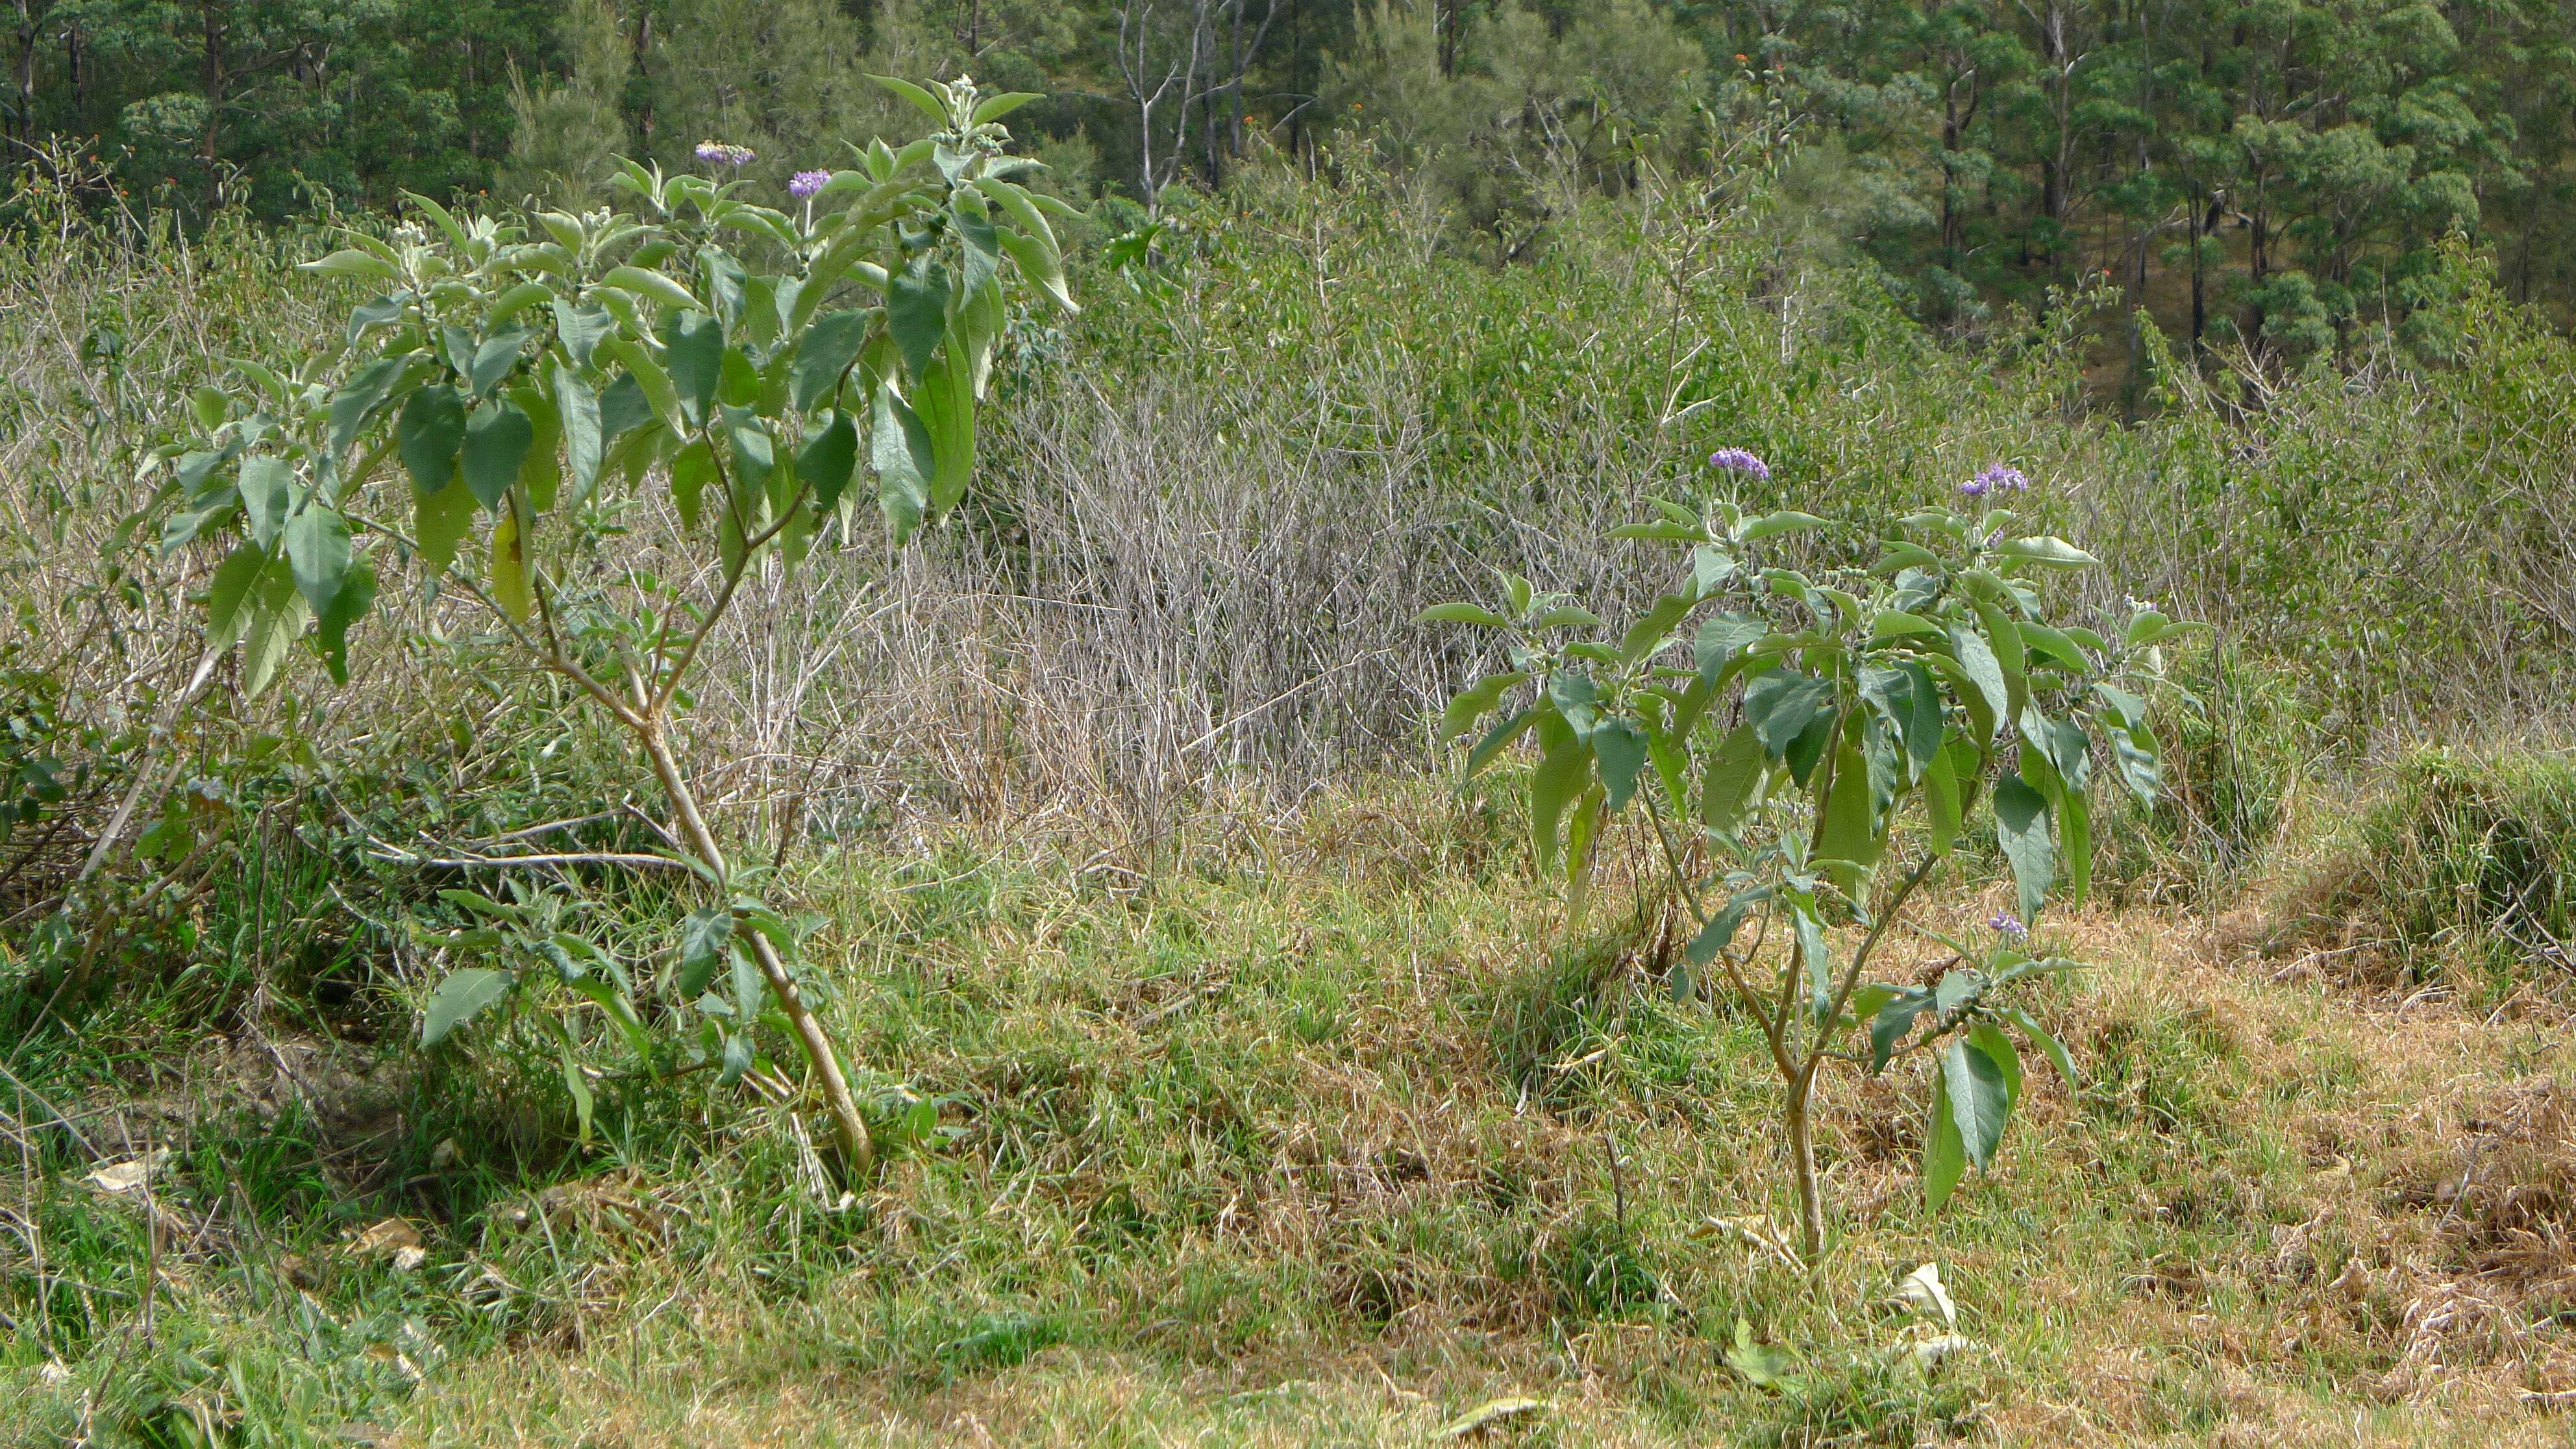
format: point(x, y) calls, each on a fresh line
point(510, 567)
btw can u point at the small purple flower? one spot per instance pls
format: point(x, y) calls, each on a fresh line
point(2009, 926)
point(805, 183)
point(1742, 460)
point(725, 153)
point(1998, 478)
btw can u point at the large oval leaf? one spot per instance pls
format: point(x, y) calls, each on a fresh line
point(460, 998)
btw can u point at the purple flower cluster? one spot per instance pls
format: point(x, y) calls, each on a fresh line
point(805, 183)
point(1998, 478)
point(2009, 926)
point(725, 153)
point(1742, 460)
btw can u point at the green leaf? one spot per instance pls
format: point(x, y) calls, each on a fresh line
point(540, 467)
point(827, 460)
point(2138, 769)
point(352, 263)
point(899, 450)
point(1462, 614)
point(1898, 624)
point(824, 355)
point(1735, 770)
point(1989, 1038)
point(1941, 802)
point(922, 100)
point(1583, 830)
point(278, 620)
point(1887, 1029)
point(1722, 639)
point(1650, 631)
point(1499, 738)
point(1988, 697)
point(946, 405)
point(917, 314)
point(497, 439)
point(994, 108)
point(432, 426)
point(1814, 950)
point(575, 1083)
point(1041, 263)
point(658, 286)
point(228, 598)
point(357, 595)
point(2075, 841)
point(440, 520)
point(2048, 1045)
point(1770, 525)
point(1475, 702)
point(1720, 931)
point(755, 454)
point(1980, 1099)
point(495, 360)
point(581, 326)
point(358, 399)
point(1782, 705)
point(705, 937)
point(317, 549)
point(2052, 645)
point(584, 441)
point(1945, 1155)
point(1848, 833)
point(1905, 696)
point(459, 999)
point(2021, 824)
point(1564, 771)
point(692, 469)
point(2053, 552)
point(268, 495)
point(512, 585)
point(2010, 658)
point(1621, 749)
point(1762, 1365)
point(693, 346)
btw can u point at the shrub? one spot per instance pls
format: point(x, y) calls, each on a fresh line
point(2457, 857)
point(531, 377)
point(1814, 710)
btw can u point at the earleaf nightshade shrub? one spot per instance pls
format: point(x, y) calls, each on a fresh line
point(1775, 725)
point(528, 375)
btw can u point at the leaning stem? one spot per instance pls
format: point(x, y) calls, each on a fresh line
point(1802, 1148)
point(857, 1153)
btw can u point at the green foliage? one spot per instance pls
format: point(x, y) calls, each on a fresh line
point(2457, 857)
point(534, 380)
point(1773, 726)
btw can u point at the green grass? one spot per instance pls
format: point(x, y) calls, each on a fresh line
point(1316, 1145)
point(2456, 867)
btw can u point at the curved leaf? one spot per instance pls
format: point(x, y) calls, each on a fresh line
point(2021, 823)
point(460, 998)
point(497, 439)
point(432, 426)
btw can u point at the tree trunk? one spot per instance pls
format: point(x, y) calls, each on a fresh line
point(1802, 1149)
point(858, 1154)
point(210, 81)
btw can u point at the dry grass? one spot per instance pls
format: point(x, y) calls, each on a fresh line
point(1179, 1210)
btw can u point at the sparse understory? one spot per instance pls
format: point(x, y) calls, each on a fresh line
point(1316, 1140)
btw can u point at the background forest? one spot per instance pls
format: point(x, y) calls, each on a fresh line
point(2278, 171)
